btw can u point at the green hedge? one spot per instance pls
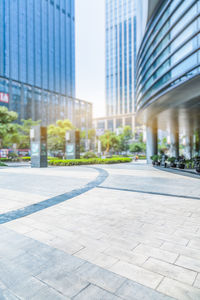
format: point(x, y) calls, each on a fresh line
point(2, 164)
point(16, 159)
point(91, 161)
point(142, 157)
point(89, 155)
point(25, 158)
point(4, 159)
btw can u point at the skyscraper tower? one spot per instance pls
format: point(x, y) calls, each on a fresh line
point(120, 58)
point(37, 60)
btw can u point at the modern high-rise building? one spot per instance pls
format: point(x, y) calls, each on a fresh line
point(168, 73)
point(120, 62)
point(37, 60)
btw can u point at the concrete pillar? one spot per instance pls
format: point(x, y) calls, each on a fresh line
point(197, 143)
point(189, 147)
point(151, 142)
point(174, 143)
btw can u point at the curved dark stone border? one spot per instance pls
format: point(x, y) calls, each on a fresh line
point(33, 208)
point(179, 172)
point(148, 192)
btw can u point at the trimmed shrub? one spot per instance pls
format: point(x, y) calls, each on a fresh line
point(89, 154)
point(142, 157)
point(26, 158)
point(2, 164)
point(91, 161)
point(5, 159)
point(53, 158)
point(16, 159)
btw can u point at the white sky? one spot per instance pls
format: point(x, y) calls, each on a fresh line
point(90, 53)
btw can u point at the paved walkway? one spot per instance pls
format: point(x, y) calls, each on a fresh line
point(111, 232)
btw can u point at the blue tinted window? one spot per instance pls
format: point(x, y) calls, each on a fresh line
point(37, 104)
point(30, 41)
point(45, 50)
point(51, 48)
point(120, 64)
point(22, 41)
point(16, 99)
point(57, 50)
point(4, 38)
point(68, 60)
point(27, 103)
point(38, 43)
point(14, 42)
point(63, 53)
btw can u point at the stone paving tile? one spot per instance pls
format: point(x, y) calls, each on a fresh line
point(178, 290)
point(17, 199)
point(12, 274)
point(187, 235)
point(163, 229)
point(107, 219)
point(70, 246)
point(63, 276)
point(189, 263)
point(27, 288)
point(137, 258)
point(194, 244)
point(31, 263)
point(132, 290)
point(186, 251)
point(44, 253)
point(64, 282)
point(170, 270)
point(137, 274)
point(20, 228)
point(172, 238)
point(116, 241)
point(96, 257)
point(61, 262)
point(6, 251)
point(156, 253)
point(197, 281)
point(40, 235)
point(48, 293)
point(100, 277)
point(7, 295)
point(188, 227)
point(93, 292)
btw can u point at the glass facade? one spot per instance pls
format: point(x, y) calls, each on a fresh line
point(37, 58)
point(170, 51)
point(120, 56)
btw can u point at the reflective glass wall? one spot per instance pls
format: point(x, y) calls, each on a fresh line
point(37, 57)
point(120, 56)
point(37, 104)
point(170, 51)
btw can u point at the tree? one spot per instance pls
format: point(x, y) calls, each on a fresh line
point(56, 134)
point(163, 146)
point(125, 138)
point(6, 123)
point(136, 148)
point(21, 136)
point(110, 141)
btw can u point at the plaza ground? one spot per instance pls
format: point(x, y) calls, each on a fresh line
point(125, 231)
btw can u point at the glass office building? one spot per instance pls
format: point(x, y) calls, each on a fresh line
point(120, 57)
point(37, 59)
point(168, 71)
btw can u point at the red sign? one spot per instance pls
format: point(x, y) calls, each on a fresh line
point(4, 97)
